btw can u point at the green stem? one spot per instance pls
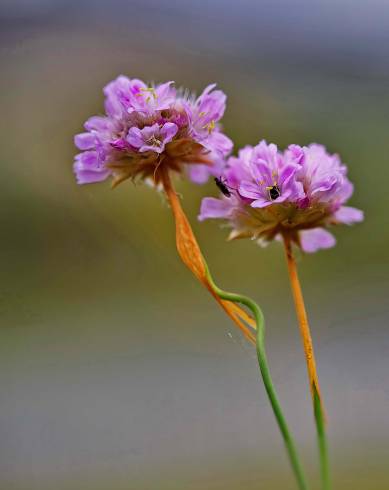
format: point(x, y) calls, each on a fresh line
point(322, 440)
point(267, 380)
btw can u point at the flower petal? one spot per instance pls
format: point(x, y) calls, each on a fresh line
point(215, 208)
point(262, 171)
point(219, 143)
point(250, 190)
point(134, 137)
point(348, 215)
point(286, 174)
point(84, 141)
point(199, 174)
point(168, 131)
point(313, 240)
point(261, 203)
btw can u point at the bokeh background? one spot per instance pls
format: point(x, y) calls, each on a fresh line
point(117, 370)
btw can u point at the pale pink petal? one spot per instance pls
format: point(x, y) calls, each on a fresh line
point(348, 215)
point(316, 239)
point(215, 208)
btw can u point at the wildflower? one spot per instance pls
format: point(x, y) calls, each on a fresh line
point(149, 132)
point(296, 193)
point(150, 128)
point(152, 138)
point(293, 196)
point(155, 149)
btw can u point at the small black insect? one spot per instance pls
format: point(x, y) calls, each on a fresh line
point(221, 184)
point(274, 192)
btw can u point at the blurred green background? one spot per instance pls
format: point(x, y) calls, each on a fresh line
point(117, 370)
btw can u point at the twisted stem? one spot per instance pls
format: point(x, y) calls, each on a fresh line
point(317, 402)
point(191, 255)
point(267, 380)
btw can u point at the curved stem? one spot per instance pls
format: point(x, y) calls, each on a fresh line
point(267, 380)
point(192, 257)
point(190, 253)
point(318, 406)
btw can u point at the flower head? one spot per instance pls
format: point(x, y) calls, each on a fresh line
point(148, 128)
point(298, 193)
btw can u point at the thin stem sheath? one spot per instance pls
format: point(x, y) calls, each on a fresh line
point(317, 401)
point(322, 442)
point(190, 253)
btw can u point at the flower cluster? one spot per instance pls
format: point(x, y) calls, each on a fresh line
point(268, 194)
point(148, 128)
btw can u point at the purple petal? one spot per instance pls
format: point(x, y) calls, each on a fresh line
point(215, 208)
point(88, 169)
point(346, 190)
point(296, 153)
point(155, 148)
point(286, 174)
point(324, 185)
point(98, 123)
point(168, 131)
point(262, 171)
point(208, 89)
point(261, 203)
point(135, 137)
point(90, 176)
point(250, 190)
point(119, 144)
point(199, 174)
point(218, 142)
point(84, 141)
point(88, 158)
point(316, 239)
point(150, 131)
point(211, 105)
point(348, 215)
point(165, 90)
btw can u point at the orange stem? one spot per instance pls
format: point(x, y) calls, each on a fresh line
point(303, 320)
point(191, 255)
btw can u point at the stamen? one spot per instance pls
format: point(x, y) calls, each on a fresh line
point(148, 90)
point(154, 141)
point(210, 126)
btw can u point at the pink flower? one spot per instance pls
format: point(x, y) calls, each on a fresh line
point(152, 138)
point(204, 115)
point(271, 177)
point(150, 127)
point(298, 193)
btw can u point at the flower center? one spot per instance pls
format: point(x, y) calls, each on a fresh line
point(210, 126)
point(154, 141)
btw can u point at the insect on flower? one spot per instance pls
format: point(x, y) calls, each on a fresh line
point(299, 193)
point(274, 191)
point(222, 186)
